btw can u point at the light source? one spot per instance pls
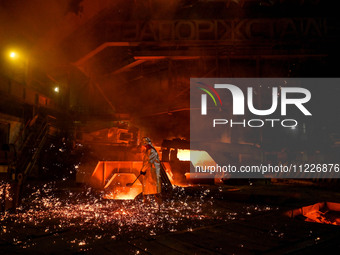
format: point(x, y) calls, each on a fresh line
point(13, 54)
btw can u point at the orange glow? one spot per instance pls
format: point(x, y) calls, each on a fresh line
point(123, 193)
point(167, 168)
point(326, 213)
point(13, 54)
point(190, 176)
point(201, 158)
point(112, 176)
point(322, 213)
point(104, 171)
point(196, 157)
point(183, 155)
point(172, 178)
point(117, 188)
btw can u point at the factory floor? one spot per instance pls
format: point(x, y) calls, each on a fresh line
point(231, 218)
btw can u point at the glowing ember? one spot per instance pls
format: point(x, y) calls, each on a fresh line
point(118, 189)
point(79, 219)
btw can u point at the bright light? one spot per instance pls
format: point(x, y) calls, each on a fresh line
point(196, 157)
point(294, 127)
point(183, 155)
point(56, 89)
point(13, 54)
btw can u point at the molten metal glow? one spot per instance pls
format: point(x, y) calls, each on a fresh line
point(196, 157)
point(112, 176)
point(183, 155)
point(118, 189)
point(121, 194)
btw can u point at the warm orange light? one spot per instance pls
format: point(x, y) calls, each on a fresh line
point(183, 155)
point(324, 212)
point(118, 188)
point(13, 55)
point(124, 193)
point(196, 157)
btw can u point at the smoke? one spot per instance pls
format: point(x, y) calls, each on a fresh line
point(31, 19)
point(45, 30)
point(40, 26)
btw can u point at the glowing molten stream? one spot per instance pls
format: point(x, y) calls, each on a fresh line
point(117, 188)
point(196, 157)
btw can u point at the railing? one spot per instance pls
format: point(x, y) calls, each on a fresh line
point(35, 135)
point(32, 146)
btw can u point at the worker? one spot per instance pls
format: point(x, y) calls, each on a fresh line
point(151, 172)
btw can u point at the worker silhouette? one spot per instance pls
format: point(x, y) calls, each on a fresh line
point(150, 171)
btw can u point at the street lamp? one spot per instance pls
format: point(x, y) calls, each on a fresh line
point(17, 64)
point(13, 54)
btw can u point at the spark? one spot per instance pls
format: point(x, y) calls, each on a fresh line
point(81, 243)
point(88, 213)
